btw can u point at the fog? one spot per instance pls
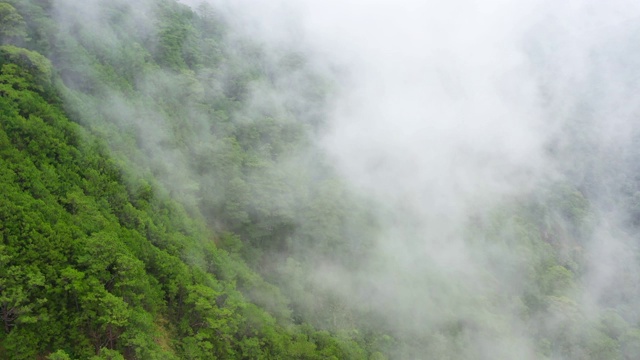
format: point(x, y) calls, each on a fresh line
point(445, 112)
point(449, 116)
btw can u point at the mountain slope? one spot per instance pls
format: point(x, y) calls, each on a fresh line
point(95, 266)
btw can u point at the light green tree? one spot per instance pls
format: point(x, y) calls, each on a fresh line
point(12, 25)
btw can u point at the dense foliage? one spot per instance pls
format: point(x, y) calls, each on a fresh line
point(97, 262)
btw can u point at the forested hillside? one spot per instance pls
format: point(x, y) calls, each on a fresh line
point(163, 195)
point(98, 260)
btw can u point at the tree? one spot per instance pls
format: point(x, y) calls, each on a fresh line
point(12, 25)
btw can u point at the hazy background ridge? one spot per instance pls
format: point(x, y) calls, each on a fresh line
point(447, 110)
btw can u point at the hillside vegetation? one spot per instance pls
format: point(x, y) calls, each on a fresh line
point(97, 260)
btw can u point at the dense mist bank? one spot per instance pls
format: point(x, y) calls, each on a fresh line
point(498, 143)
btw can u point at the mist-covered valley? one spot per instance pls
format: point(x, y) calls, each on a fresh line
point(319, 179)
